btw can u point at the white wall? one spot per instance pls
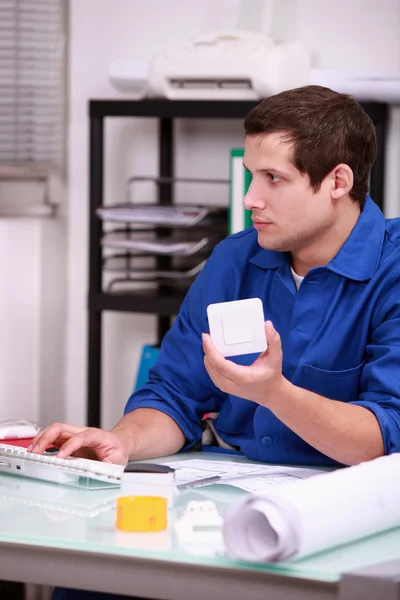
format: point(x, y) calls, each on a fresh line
point(32, 319)
point(32, 310)
point(350, 33)
point(360, 35)
point(19, 310)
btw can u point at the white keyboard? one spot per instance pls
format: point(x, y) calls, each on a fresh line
point(68, 471)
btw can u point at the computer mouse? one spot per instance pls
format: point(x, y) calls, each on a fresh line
point(18, 429)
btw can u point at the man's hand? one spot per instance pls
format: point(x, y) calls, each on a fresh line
point(348, 433)
point(256, 382)
point(140, 434)
point(86, 442)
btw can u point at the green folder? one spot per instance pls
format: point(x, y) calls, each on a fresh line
point(240, 179)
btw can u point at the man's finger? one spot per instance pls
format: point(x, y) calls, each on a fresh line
point(274, 342)
point(51, 434)
point(207, 342)
point(219, 364)
point(89, 438)
point(34, 441)
point(230, 382)
point(211, 371)
point(273, 337)
point(45, 438)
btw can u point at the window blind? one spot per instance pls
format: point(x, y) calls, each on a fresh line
point(32, 82)
point(32, 98)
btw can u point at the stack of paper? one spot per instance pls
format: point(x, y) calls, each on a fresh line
point(316, 514)
point(161, 246)
point(161, 216)
point(155, 274)
point(244, 475)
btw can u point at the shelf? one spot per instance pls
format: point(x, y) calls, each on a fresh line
point(170, 109)
point(149, 301)
point(164, 302)
point(195, 109)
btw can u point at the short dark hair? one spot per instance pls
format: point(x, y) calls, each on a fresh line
point(326, 128)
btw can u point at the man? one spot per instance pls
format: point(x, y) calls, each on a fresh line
point(326, 266)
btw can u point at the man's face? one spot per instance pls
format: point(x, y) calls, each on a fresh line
point(288, 215)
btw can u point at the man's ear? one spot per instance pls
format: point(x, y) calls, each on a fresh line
point(342, 179)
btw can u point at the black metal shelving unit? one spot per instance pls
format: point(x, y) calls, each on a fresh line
point(163, 302)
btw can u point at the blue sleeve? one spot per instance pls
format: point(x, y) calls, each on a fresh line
point(179, 384)
point(380, 381)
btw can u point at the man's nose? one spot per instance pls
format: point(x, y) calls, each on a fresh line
point(253, 199)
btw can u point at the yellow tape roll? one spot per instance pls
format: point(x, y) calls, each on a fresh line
point(142, 513)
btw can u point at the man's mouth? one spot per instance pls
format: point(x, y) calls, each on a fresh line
point(260, 224)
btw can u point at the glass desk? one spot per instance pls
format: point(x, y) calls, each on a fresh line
point(55, 535)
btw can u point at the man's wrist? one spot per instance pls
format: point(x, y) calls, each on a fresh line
point(278, 392)
point(127, 437)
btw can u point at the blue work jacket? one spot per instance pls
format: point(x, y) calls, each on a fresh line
point(340, 338)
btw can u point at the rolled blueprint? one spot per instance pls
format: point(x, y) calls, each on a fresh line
point(315, 514)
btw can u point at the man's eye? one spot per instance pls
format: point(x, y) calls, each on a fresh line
point(273, 178)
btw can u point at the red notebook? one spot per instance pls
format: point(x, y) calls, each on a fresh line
point(24, 442)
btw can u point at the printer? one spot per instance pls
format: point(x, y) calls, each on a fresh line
point(228, 65)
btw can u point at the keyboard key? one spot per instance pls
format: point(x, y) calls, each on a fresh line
point(84, 467)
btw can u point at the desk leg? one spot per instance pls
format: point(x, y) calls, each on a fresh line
point(377, 582)
point(12, 591)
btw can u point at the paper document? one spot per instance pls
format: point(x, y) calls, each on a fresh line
point(316, 514)
point(247, 476)
point(165, 247)
point(184, 216)
point(257, 484)
point(154, 274)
